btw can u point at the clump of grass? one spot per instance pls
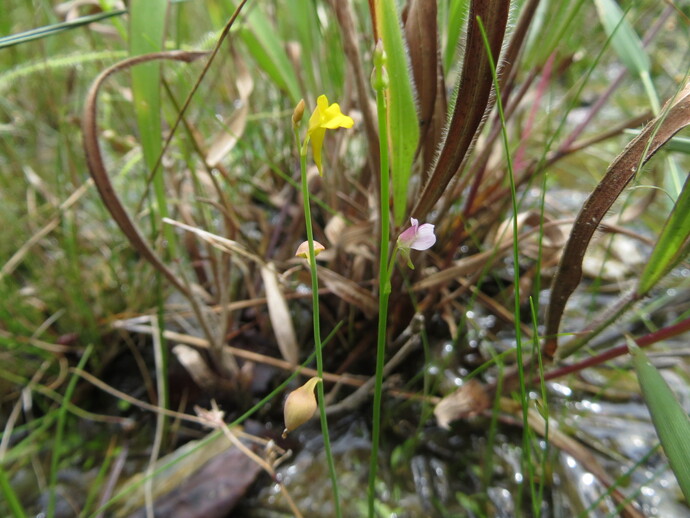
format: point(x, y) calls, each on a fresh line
point(205, 203)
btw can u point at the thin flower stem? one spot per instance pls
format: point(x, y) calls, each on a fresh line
point(384, 286)
point(317, 325)
point(527, 464)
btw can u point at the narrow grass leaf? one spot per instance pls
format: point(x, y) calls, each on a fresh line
point(552, 25)
point(333, 71)
point(147, 25)
point(266, 47)
point(50, 30)
point(302, 21)
point(457, 16)
point(669, 417)
point(403, 125)
point(146, 30)
point(671, 245)
point(11, 499)
point(623, 37)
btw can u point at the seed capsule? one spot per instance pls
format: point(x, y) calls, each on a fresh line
point(300, 406)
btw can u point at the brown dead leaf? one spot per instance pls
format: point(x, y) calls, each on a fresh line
point(467, 401)
point(226, 140)
point(349, 291)
point(552, 240)
point(422, 39)
point(195, 365)
point(212, 490)
point(279, 313)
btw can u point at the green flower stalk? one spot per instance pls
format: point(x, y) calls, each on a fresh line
point(417, 237)
point(379, 81)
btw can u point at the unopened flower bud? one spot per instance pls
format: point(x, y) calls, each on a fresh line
point(300, 406)
point(303, 249)
point(297, 113)
point(379, 76)
point(379, 55)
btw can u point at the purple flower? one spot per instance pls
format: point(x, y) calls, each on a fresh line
point(417, 237)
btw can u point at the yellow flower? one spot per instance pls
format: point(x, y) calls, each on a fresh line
point(324, 117)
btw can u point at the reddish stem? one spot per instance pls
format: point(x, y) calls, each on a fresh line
point(620, 350)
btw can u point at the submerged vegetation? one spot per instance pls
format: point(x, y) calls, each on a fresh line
point(455, 230)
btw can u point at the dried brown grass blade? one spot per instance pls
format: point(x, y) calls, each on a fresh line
point(473, 99)
point(422, 41)
point(279, 313)
point(349, 291)
point(674, 116)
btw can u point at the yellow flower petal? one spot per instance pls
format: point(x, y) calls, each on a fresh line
point(317, 137)
point(334, 118)
point(325, 117)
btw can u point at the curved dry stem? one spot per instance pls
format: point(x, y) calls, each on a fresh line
point(94, 161)
point(674, 116)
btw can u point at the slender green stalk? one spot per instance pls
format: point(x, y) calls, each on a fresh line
point(384, 280)
point(318, 346)
point(60, 432)
point(10, 495)
point(543, 410)
point(488, 463)
point(526, 447)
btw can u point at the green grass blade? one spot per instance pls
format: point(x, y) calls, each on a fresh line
point(333, 70)
point(25, 70)
point(147, 28)
point(60, 433)
point(670, 420)
point(671, 245)
point(266, 47)
point(629, 48)
point(623, 37)
point(10, 496)
point(457, 16)
point(553, 24)
point(50, 30)
point(147, 25)
point(403, 126)
point(301, 20)
point(527, 463)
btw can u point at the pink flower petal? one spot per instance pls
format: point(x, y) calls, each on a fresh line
point(424, 238)
point(408, 236)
